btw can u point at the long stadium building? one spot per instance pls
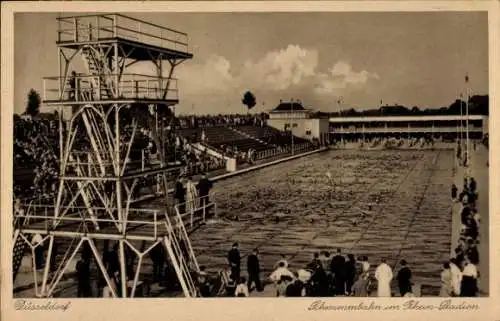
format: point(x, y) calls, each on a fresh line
point(441, 126)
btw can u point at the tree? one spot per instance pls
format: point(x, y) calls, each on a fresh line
point(415, 110)
point(249, 100)
point(456, 106)
point(33, 105)
point(478, 104)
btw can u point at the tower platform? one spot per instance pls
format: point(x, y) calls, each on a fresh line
point(109, 44)
point(139, 40)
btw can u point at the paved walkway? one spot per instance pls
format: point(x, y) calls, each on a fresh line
point(479, 171)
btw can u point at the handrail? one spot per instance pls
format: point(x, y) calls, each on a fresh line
point(152, 36)
point(89, 219)
point(110, 17)
point(131, 86)
point(138, 210)
point(112, 74)
point(105, 16)
point(117, 22)
point(196, 201)
point(151, 24)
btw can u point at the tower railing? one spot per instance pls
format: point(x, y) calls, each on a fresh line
point(130, 86)
point(87, 28)
point(41, 218)
point(194, 211)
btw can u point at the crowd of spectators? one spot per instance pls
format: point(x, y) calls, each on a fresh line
point(35, 157)
point(327, 274)
point(36, 152)
point(460, 275)
point(192, 121)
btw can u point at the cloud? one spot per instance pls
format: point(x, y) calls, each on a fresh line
point(341, 76)
point(212, 76)
point(287, 71)
point(280, 70)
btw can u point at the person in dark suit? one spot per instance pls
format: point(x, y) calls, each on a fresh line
point(83, 276)
point(253, 269)
point(404, 278)
point(350, 272)
point(180, 195)
point(454, 192)
point(337, 267)
point(204, 187)
point(157, 255)
point(234, 260)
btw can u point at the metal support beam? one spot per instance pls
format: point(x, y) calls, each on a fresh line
point(102, 174)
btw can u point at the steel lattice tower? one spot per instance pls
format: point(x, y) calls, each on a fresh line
point(102, 162)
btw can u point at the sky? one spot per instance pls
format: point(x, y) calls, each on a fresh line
point(413, 59)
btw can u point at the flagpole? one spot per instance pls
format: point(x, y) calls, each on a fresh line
point(458, 130)
point(342, 126)
point(291, 125)
point(461, 120)
point(467, 119)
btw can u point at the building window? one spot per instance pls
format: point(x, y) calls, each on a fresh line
point(308, 132)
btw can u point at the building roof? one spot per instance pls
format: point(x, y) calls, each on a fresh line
point(364, 119)
point(288, 107)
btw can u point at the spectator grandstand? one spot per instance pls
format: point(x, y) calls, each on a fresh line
point(245, 138)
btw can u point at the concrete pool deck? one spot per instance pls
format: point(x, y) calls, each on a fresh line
point(480, 172)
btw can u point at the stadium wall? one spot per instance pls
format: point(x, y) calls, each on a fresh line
point(307, 128)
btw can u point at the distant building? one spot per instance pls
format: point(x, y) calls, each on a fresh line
point(293, 117)
point(444, 126)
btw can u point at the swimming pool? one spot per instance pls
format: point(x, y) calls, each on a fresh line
point(317, 203)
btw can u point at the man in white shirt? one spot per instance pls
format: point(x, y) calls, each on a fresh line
point(282, 260)
point(280, 271)
point(242, 289)
point(469, 280)
point(476, 216)
point(456, 277)
point(365, 265)
point(384, 275)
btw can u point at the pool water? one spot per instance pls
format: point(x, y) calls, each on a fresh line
point(392, 204)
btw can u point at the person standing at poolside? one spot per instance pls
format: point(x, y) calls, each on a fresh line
point(192, 202)
point(404, 278)
point(180, 195)
point(446, 281)
point(204, 187)
point(468, 287)
point(384, 275)
point(456, 277)
point(253, 269)
point(234, 260)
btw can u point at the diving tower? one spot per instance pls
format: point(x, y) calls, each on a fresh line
point(115, 116)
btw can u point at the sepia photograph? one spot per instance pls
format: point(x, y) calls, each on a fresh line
point(250, 154)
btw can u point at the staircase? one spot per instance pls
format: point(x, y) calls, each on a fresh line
point(97, 67)
point(251, 137)
point(181, 255)
point(19, 249)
